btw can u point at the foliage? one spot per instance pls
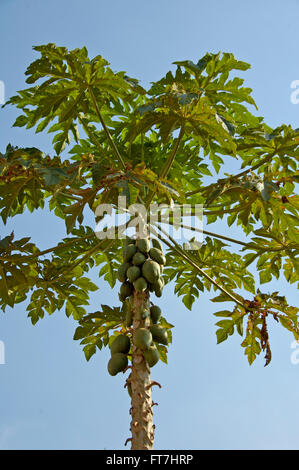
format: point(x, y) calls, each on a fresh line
point(165, 145)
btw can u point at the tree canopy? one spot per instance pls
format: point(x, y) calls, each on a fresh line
point(168, 144)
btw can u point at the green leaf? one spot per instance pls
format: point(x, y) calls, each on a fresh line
point(89, 351)
point(162, 352)
point(130, 136)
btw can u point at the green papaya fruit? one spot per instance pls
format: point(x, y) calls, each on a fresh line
point(129, 252)
point(151, 356)
point(129, 318)
point(157, 244)
point(121, 272)
point(157, 255)
point(140, 285)
point(126, 290)
point(117, 363)
point(150, 287)
point(155, 313)
point(158, 284)
point(151, 271)
point(121, 344)
point(158, 287)
point(133, 273)
point(143, 245)
point(138, 258)
point(142, 338)
point(159, 334)
point(129, 241)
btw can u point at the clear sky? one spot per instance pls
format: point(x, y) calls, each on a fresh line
point(51, 398)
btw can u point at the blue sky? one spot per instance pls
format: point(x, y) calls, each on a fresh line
point(211, 398)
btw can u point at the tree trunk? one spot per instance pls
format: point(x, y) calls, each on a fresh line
point(142, 427)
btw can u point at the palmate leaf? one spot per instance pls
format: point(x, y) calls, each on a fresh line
point(74, 212)
point(28, 177)
point(53, 283)
point(162, 353)
point(252, 339)
point(278, 147)
point(19, 187)
point(97, 328)
point(145, 179)
point(257, 311)
point(226, 328)
point(188, 285)
point(204, 83)
point(129, 154)
point(235, 319)
point(174, 108)
point(17, 274)
point(72, 294)
point(275, 253)
point(65, 92)
point(218, 263)
point(278, 306)
point(42, 300)
point(108, 270)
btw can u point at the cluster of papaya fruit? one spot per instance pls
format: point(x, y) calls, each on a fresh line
point(140, 271)
point(143, 338)
point(142, 267)
point(119, 349)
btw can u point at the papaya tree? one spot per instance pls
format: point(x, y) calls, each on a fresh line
point(169, 146)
